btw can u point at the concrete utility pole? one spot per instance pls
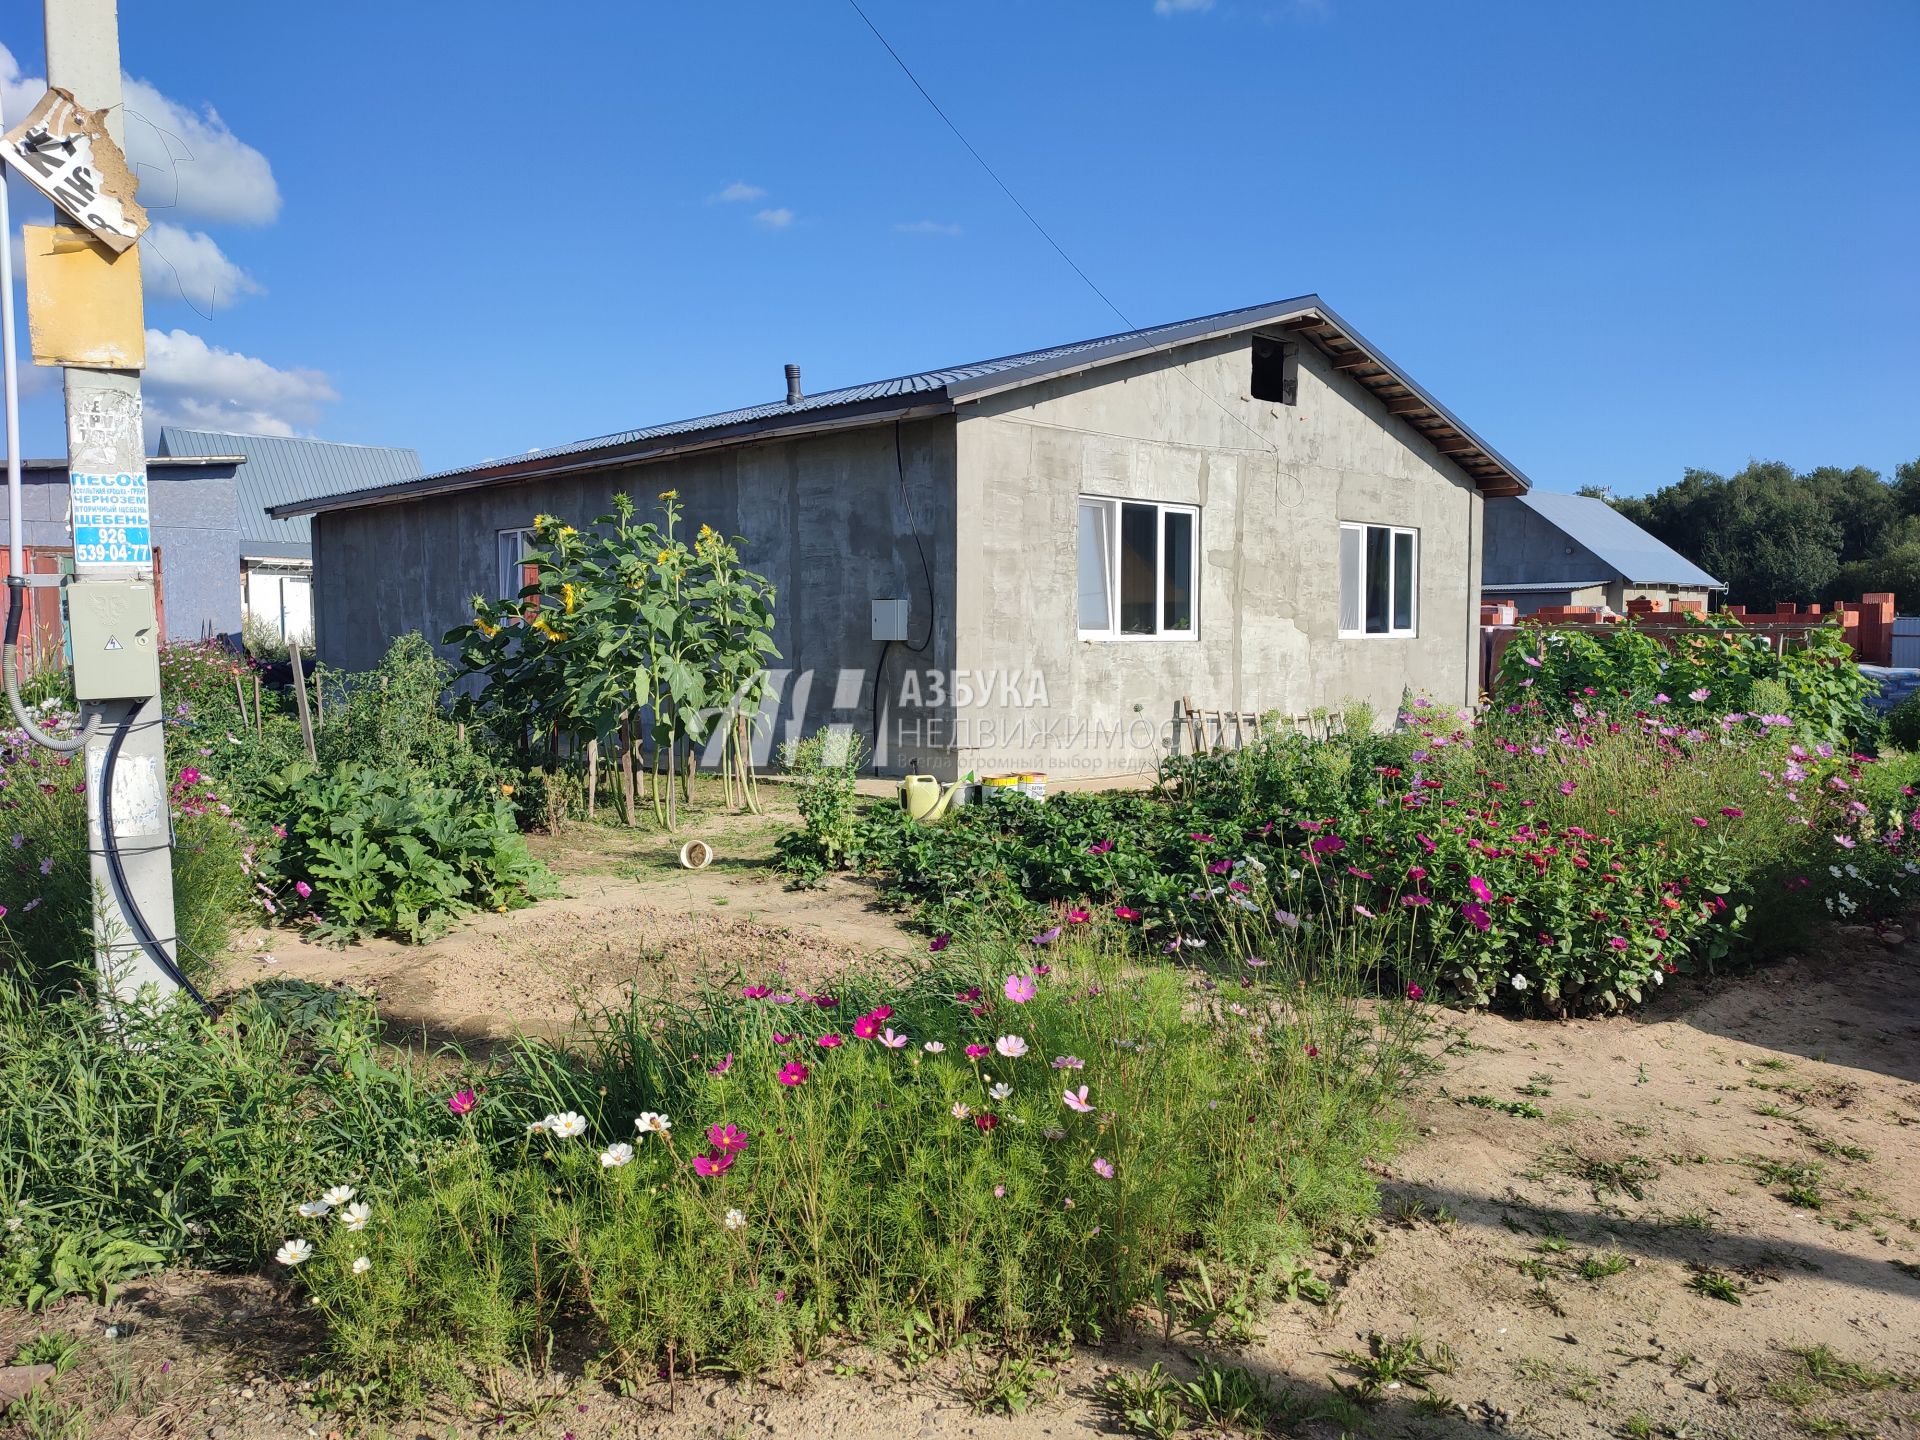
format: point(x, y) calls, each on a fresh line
point(112, 619)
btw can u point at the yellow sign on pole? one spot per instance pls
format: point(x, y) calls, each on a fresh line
point(83, 301)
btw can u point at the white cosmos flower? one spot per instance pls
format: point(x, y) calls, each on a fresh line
point(735, 1220)
point(1519, 982)
point(356, 1215)
point(1011, 1046)
point(1001, 1091)
point(362, 1265)
point(960, 1110)
point(652, 1123)
point(314, 1209)
point(338, 1195)
point(615, 1155)
point(293, 1252)
point(538, 1127)
point(934, 1047)
point(567, 1124)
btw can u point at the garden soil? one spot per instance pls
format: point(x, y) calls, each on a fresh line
point(1599, 1228)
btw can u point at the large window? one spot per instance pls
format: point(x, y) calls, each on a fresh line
point(512, 572)
point(1379, 577)
point(1139, 563)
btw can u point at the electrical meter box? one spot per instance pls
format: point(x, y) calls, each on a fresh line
point(890, 619)
point(115, 637)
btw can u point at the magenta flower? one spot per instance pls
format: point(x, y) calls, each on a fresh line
point(1481, 891)
point(1732, 812)
point(939, 943)
point(830, 1042)
point(866, 1027)
point(1618, 942)
point(1414, 900)
point(1078, 916)
point(780, 1039)
point(302, 889)
point(1200, 837)
point(1100, 847)
point(1477, 916)
point(1220, 867)
point(1414, 992)
point(755, 992)
point(976, 1052)
point(1103, 1168)
point(724, 1066)
point(1125, 912)
point(1326, 844)
point(793, 1073)
point(1045, 937)
point(463, 1100)
point(711, 1165)
point(727, 1139)
point(1700, 821)
point(1020, 988)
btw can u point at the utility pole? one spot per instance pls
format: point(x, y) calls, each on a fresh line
point(112, 623)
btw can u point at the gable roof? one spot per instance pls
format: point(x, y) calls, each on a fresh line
point(1632, 552)
point(938, 392)
point(281, 470)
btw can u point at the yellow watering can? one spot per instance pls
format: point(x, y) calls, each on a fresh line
point(923, 799)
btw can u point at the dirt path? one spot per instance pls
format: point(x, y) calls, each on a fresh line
point(1602, 1228)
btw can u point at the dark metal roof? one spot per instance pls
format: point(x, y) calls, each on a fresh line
point(1537, 587)
point(1637, 556)
point(933, 392)
point(281, 470)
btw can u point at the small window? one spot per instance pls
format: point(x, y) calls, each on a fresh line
point(1379, 580)
point(1276, 370)
point(1137, 566)
point(513, 573)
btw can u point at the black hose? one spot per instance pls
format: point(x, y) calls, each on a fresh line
point(110, 842)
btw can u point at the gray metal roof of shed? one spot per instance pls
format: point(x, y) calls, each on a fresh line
point(933, 392)
point(282, 469)
point(1637, 556)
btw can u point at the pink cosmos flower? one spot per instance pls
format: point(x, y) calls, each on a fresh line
point(1415, 900)
point(1125, 912)
point(986, 1120)
point(830, 1042)
point(1020, 988)
point(711, 1165)
point(1011, 1046)
point(891, 1038)
point(939, 943)
point(976, 1052)
point(1100, 847)
point(1326, 844)
point(1077, 916)
point(1476, 916)
point(1698, 695)
point(1481, 891)
point(1103, 1168)
point(1200, 837)
point(755, 992)
point(866, 1027)
point(727, 1139)
point(793, 1073)
point(1362, 911)
point(302, 889)
point(1618, 942)
point(1700, 821)
point(780, 1039)
point(46, 866)
point(1414, 992)
point(724, 1066)
point(1077, 1100)
point(1287, 918)
point(463, 1100)
point(1220, 867)
point(1045, 937)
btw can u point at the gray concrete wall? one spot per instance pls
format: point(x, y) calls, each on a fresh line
point(1273, 484)
point(1524, 548)
point(822, 517)
point(196, 531)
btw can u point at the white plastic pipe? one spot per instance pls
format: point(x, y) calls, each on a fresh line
point(16, 559)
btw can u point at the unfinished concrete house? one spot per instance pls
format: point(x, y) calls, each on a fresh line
point(1023, 564)
point(1546, 548)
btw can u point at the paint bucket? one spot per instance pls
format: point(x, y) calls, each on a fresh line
point(1033, 785)
point(695, 855)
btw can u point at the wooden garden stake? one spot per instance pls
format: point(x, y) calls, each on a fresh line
point(300, 700)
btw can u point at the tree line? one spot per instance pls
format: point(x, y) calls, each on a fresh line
point(1775, 536)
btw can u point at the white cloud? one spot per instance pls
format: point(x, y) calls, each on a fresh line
point(188, 163)
point(738, 192)
point(189, 382)
point(778, 219)
point(193, 164)
point(1176, 7)
point(179, 264)
point(927, 227)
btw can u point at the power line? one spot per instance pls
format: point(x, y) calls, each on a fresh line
point(1034, 221)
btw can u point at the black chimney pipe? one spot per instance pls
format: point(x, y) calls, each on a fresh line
point(793, 385)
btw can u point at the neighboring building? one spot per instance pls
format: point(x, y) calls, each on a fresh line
point(217, 556)
point(1253, 510)
point(1545, 548)
point(196, 545)
point(276, 556)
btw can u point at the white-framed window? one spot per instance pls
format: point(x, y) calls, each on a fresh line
point(511, 571)
point(1379, 580)
point(1139, 564)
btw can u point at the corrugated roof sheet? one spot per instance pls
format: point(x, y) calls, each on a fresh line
point(282, 469)
point(1492, 590)
point(879, 400)
point(1640, 559)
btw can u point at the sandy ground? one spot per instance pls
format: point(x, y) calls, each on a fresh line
point(1618, 1227)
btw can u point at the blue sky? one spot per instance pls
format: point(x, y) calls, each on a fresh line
point(1619, 240)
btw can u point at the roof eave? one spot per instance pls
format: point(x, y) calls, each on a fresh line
point(853, 415)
